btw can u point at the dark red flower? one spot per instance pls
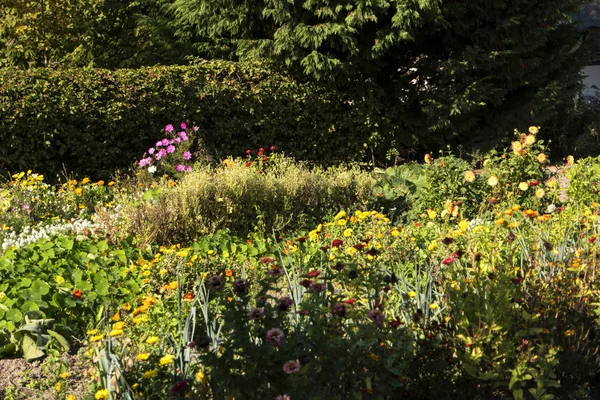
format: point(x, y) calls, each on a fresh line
point(359, 246)
point(447, 240)
point(325, 248)
point(261, 151)
point(396, 323)
point(447, 260)
point(337, 243)
point(272, 148)
point(313, 274)
point(306, 282)
point(350, 301)
point(339, 309)
point(301, 239)
point(248, 152)
point(179, 387)
point(534, 183)
point(517, 280)
point(339, 266)
point(249, 164)
point(77, 293)
point(266, 260)
point(373, 252)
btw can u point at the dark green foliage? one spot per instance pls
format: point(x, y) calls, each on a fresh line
point(94, 121)
point(455, 72)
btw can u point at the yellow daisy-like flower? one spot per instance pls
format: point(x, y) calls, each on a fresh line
point(340, 215)
point(500, 221)
point(432, 246)
point(101, 394)
point(469, 176)
point(534, 130)
point(166, 359)
point(119, 325)
point(431, 214)
point(351, 251)
point(85, 181)
point(116, 332)
point(65, 375)
point(540, 193)
point(492, 181)
point(71, 397)
point(348, 232)
point(201, 377)
point(341, 222)
point(523, 186)
point(152, 339)
point(150, 374)
point(542, 158)
point(529, 140)
point(517, 147)
point(78, 191)
point(412, 294)
point(143, 356)
point(100, 183)
point(97, 338)
point(464, 224)
point(434, 306)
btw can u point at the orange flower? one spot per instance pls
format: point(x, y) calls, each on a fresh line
point(228, 272)
point(189, 296)
point(77, 293)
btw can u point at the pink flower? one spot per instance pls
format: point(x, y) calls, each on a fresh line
point(162, 152)
point(165, 142)
point(158, 144)
point(196, 128)
point(177, 140)
point(188, 168)
point(272, 148)
point(183, 136)
point(291, 367)
point(180, 168)
point(255, 313)
point(144, 161)
point(151, 150)
point(275, 337)
point(448, 260)
point(183, 125)
point(171, 149)
point(187, 155)
point(169, 128)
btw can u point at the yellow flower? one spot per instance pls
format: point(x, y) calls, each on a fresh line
point(173, 285)
point(500, 221)
point(163, 271)
point(150, 374)
point(342, 222)
point(119, 325)
point(534, 130)
point(182, 253)
point(71, 397)
point(116, 332)
point(59, 279)
point(412, 294)
point(395, 232)
point(126, 306)
point(432, 246)
point(111, 183)
point(100, 183)
point(492, 180)
point(85, 181)
point(374, 356)
point(58, 386)
point(200, 377)
point(540, 193)
point(65, 375)
point(166, 359)
point(116, 317)
point(433, 306)
point(152, 339)
point(464, 224)
point(78, 191)
point(97, 338)
point(339, 215)
point(313, 235)
point(427, 158)
point(348, 232)
point(569, 332)
point(143, 356)
point(529, 140)
point(523, 186)
point(351, 251)
point(570, 160)
point(431, 213)
point(138, 319)
point(517, 147)
point(101, 394)
point(469, 176)
point(542, 158)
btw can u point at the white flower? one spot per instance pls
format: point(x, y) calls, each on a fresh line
point(551, 208)
point(152, 169)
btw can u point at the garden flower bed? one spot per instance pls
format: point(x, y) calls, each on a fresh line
point(448, 279)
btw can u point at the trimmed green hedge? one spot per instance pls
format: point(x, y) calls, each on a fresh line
point(95, 121)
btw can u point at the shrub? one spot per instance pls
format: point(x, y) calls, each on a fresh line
point(238, 195)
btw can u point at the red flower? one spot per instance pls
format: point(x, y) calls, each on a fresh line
point(77, 293)
point(249, 164)
point(534, 183)
point(189, 296)
point(248, 152)
point(396, 323)
point(272, 148)
point(306, 282)
point(337, 243)
point(301, 239)
point(447, 260)
point(179, 386)
point(313, 274)
point(350, 301)
point(261, 151)
point(359, 246)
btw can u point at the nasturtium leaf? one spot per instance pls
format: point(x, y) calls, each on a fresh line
point(14, 315)
point(40, 287)
point(100, 285)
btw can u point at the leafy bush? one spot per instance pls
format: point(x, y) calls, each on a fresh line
point(240, 195)
point(95, 121)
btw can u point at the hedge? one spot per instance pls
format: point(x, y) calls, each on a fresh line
point(93, 121)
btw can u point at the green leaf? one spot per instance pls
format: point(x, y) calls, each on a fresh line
point(61, 340)
point(14, 315)
point(41, 287)
point(30, 349)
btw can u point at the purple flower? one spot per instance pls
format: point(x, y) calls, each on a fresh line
point(171, 149)
point(158, 156)
point(187, 155)
point(188, 168)
point(158, 144)
point(169, 128)
point(376, 315)
point(275, 336)
point(255, 314)
point(165, 142)
point(291, 367)
point(183, 136)
point(183, 125)
point(215, 282)
point(143, 162)
point(179, 168)
point(339, 309)
point(151, 150)
point(162, 152)
point(177, 140)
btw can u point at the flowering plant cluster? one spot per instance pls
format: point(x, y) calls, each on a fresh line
point(171, 155)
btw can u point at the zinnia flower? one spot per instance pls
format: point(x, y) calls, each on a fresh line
point(376, 315)
point(275, 337)
point(150, 374)
point(255, 314)
point(540, 193)
point(180, 168)
point(534, 130)
point(523, 186)
point(570, 160)
point(170, 149)
point(469, 176)
point(542, 158)
point(187, 155)
point(169, 128)
point(492, 181)
point(291, 367)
